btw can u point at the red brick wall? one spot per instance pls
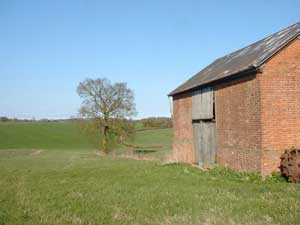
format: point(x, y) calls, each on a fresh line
point(280, 105)
point(238, 124)
point(183, 145)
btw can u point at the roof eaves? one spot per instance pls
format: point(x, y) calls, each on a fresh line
point(246, 70)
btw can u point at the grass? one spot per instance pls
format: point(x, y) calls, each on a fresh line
point(49, 174)
point(41, 135)
point(147, 137)
point(73, 187)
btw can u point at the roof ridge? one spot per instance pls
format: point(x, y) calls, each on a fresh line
point(298, 23)
point(279, 48)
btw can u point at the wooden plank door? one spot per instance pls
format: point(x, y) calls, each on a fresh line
point(197, 143)
point(205, 142)
point(204, 126)
point(202, 104)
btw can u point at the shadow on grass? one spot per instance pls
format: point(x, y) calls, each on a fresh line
point(140, 151)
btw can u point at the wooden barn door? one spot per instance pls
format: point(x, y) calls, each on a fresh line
point(204, 126)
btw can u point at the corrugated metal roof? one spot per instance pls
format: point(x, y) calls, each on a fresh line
point(244, 59)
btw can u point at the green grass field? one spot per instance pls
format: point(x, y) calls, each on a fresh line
point(62, 183)
point(65, 187)
point(66, 135)
point(42, 135)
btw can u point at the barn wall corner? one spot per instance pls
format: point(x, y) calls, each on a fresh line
point(183, 143)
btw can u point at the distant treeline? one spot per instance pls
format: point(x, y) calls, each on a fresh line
point(162, 122)
point(7, 119)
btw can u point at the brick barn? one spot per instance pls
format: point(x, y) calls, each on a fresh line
point(242, 110)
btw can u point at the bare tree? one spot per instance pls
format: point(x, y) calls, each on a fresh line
point(105, 104)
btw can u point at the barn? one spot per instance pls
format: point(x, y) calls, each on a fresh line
point(243, 109)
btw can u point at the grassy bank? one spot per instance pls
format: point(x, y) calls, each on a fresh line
point(154, 142)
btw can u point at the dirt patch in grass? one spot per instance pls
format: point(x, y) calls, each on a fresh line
point(134, 155)
point(145, 147)
point(37, 152)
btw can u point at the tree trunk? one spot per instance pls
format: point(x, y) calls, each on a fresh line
point(105, 139)
point(105, 133)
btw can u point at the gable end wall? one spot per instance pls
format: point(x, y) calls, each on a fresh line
point(280, 106)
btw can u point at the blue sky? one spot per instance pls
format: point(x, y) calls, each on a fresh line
point(48, 47)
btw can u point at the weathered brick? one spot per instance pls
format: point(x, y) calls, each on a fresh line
point(183, 145)
point(280, 106)
point(238, 124)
